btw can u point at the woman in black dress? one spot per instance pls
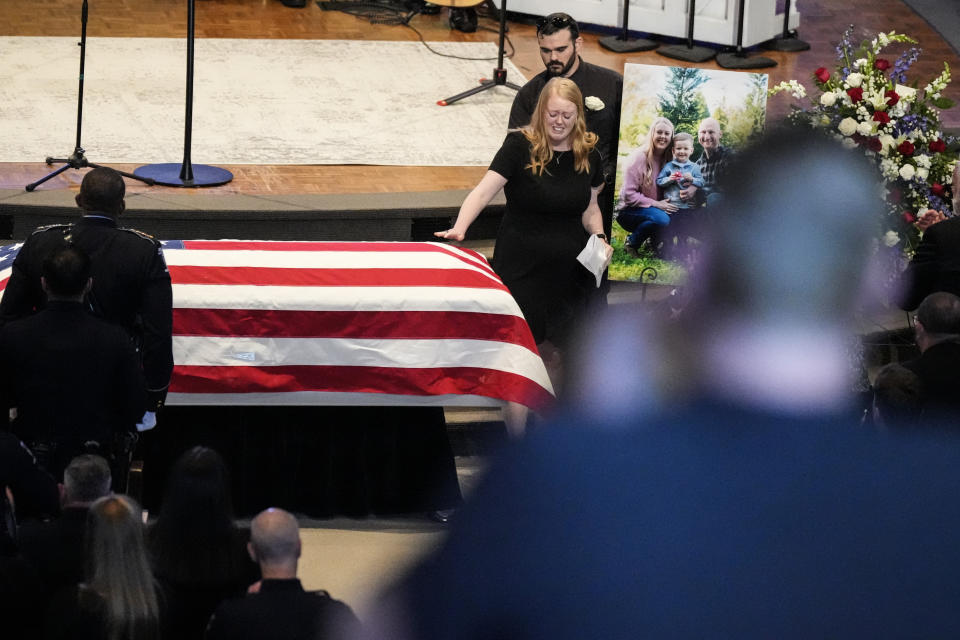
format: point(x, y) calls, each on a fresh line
point(551, 174)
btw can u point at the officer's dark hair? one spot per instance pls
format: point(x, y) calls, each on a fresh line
point(549, 25)
point(102, 189)
point(66, 270)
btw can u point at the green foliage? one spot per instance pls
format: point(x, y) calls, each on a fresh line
point(681, 103)
point(623, 267)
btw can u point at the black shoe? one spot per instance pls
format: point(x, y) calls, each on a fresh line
point(296, 4)
point(430, 9)
point(463, 20)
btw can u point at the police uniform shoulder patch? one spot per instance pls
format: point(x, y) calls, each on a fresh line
point(141, 234)
point(51, 227)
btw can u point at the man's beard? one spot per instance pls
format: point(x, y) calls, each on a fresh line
point(564, 71)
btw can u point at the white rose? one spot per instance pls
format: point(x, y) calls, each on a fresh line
point(922, 173)
point(854, 79)
point(891, 238)
point(865, 128)
point(922, 160)
point(828, 99)
point(847, 126)
point(907, 171)
point(594, 103)
point(906, 93)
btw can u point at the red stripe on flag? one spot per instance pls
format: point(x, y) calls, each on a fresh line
point(3, 283)
point(341, 277)
point(343, 379)
point(353, 324)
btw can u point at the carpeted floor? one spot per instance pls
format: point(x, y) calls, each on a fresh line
point(942, 15)
point(255, 101)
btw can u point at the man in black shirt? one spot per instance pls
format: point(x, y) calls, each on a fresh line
point(131, 284)
point(277, 607)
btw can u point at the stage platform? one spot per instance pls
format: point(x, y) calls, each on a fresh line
point(405, 216)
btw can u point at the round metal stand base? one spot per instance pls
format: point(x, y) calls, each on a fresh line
point(619, 44)
point(689, 54)
point(168, 175)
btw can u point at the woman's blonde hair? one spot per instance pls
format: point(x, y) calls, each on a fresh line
point(118, 569)
point(582, 141)
point(646, 180)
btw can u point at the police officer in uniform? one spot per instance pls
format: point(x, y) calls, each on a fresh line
point(131, 284)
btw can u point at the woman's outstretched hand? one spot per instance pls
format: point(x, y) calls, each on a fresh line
point(450, 234)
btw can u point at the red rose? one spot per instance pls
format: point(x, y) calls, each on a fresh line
point(881, 64)
point(910, 217)
point(822, 74)
point(892, 97)
point(938, 146)
point(906, 148)
point(937, 189)
point(895, 195)
point(874, 144)
point(881, 117)
point(856, 94)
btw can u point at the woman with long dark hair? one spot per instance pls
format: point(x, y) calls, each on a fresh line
point(199, 553)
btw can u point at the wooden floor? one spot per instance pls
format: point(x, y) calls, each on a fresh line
point(822, 23)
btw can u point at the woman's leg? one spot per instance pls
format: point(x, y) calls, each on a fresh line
point(642, 223)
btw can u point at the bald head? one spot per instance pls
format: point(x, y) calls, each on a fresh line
point(275, 539)
point(709, 134)
point(938, 319)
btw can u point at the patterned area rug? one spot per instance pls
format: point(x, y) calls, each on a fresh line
point(255, 101)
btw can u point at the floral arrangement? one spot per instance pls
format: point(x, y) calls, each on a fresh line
point(866, 103)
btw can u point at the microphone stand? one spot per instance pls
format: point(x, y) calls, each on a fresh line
point(788, 41)
point(77, 159)
point(499, 74)
point(623, 43)
point(690, 52)
point(738, 59)
point(186, 174)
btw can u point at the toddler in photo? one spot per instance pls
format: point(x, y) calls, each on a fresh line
point(680, 173)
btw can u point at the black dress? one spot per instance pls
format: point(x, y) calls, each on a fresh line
point(541, 235)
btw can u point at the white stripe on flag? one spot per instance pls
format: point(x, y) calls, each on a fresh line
point(321, 259)
point(200, 296)
point(359, 352)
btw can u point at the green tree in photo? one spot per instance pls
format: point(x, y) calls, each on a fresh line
point(680, 102)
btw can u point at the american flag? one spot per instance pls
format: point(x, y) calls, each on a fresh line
point(343, 323)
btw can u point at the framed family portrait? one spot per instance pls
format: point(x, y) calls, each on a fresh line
point(679, 128)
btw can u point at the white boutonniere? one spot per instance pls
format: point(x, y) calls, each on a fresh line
point(594, 103)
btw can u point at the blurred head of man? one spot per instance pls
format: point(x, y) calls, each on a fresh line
point(85, 479)
point(937, 320)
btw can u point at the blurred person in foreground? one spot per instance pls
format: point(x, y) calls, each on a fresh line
point(749, 503)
